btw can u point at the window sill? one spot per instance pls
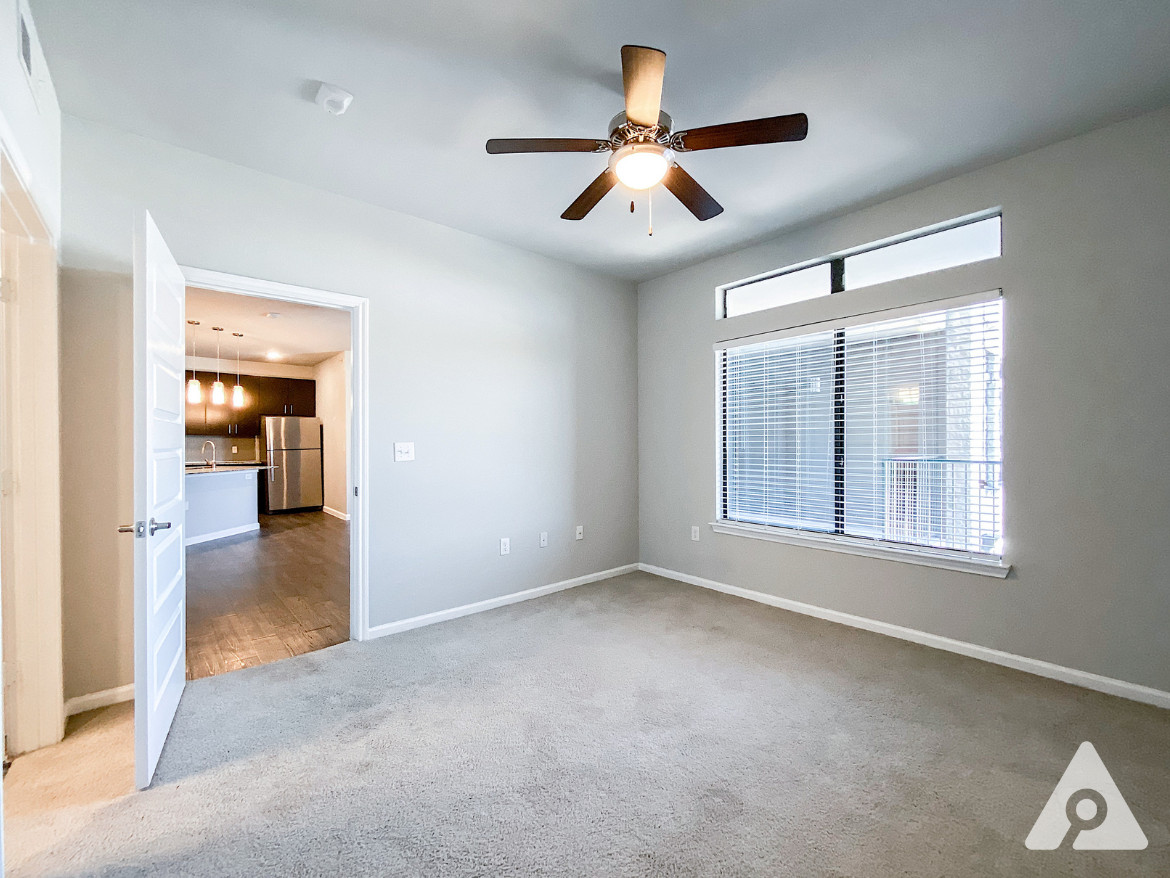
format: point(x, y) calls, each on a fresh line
point(867, 548)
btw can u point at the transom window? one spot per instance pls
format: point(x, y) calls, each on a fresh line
point(963, 242)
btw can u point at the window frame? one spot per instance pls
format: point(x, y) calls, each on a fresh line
point(837, 275)
point(951, 559)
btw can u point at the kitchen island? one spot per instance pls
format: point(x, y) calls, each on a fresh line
point(222, 501)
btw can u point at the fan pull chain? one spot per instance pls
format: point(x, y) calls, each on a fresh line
point(650, 211)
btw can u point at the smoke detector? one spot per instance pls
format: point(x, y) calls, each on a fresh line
point(333, 99)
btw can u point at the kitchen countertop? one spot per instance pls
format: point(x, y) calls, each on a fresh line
point(227, 468)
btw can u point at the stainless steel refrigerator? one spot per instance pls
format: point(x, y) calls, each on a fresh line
point(293, 449)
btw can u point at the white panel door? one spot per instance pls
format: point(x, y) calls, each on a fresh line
point(160, 571)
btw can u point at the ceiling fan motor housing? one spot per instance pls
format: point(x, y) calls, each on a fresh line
point(623, 131)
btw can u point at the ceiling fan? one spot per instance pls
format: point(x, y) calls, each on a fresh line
point(642, 144)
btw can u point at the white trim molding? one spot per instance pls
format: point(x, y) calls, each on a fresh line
point(119, 694)
point(493, 603)
point(358, 459)
point(1085, 679)
point(866, 548)
point(104, 698)
point(329, 510)
point(221, 534)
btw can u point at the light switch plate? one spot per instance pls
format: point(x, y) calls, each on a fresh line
point(695, 532)
point(544, 539)
point(580, 531)
point(505, 545)
point(403, 451)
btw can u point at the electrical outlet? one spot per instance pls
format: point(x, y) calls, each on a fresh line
point(695, 532)
point(544, 539)
point(235, 450)
point(580, 531)
point(505, 545)
point(403, 451)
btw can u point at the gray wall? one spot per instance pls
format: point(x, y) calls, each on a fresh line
point(515, 376)
point(1087, 414)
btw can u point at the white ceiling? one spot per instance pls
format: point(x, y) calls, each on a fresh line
point(304, 335)
point(898, 93)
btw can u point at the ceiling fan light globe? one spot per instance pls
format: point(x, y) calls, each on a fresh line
point(641, 165)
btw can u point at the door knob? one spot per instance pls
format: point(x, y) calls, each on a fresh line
point(158, 525)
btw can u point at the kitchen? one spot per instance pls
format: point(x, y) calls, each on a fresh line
point(267, 433)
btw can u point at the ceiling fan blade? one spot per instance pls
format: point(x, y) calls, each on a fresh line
point(775, 129)
point(693, 196)
point(642, 71)
point(546, 144)
point(588, 199)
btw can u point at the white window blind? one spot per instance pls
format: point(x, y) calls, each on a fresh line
point(907, 450)
point(778, 433)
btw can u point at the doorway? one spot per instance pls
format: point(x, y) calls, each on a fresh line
point(267, 479)
point(273, 528)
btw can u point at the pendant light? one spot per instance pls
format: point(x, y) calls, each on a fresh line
point(218, 395)
point(238, 390)
point(194, 388)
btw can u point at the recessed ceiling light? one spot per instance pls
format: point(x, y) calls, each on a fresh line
point(274, 355)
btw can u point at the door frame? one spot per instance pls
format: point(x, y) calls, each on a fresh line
point(30, 468)
point(357, 461)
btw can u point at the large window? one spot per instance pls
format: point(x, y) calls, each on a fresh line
point(885, 431)
point(960, 243)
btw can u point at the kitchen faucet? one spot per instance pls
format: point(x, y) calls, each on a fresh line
point(210, 463)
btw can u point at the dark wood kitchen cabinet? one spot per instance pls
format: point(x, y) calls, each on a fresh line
point(262, 396)
point(292, 397)
point(270, 396)
point(246, 421)
point(302, 398)
point(196, 417)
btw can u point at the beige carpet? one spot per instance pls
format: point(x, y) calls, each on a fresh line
point(634, 727)
point(51, 787)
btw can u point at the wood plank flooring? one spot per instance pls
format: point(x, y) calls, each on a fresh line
point(260, 597)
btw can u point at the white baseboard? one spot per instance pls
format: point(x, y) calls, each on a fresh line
point(493, 603)
point(1108, 685)
point(94, 700)
point(220, 534)
point(106, 697)
point(329, 510)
